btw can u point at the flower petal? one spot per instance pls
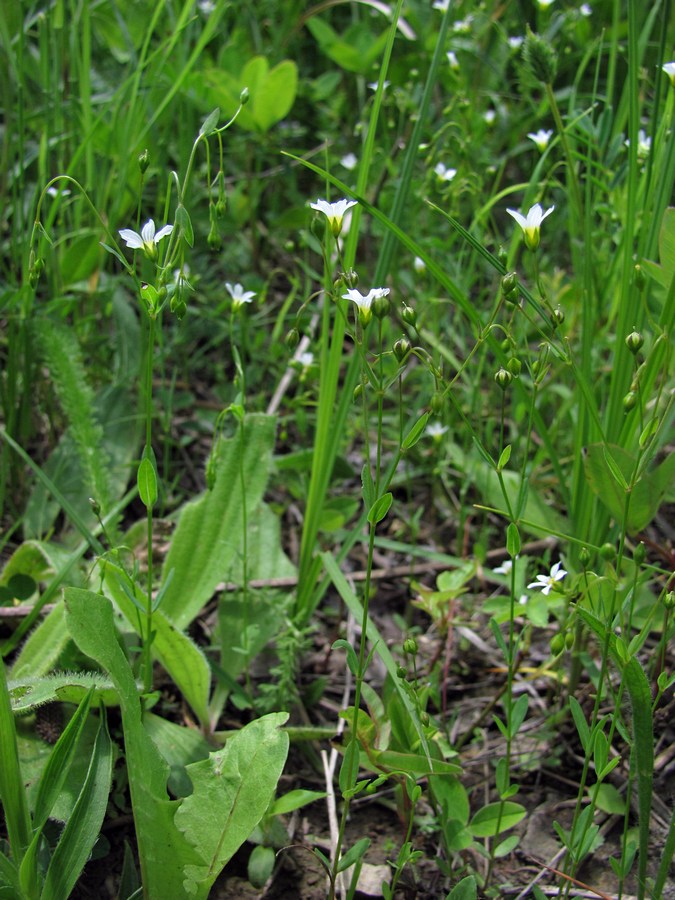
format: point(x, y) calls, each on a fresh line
point(133, 239)
point(148, 231)
point(162, 233)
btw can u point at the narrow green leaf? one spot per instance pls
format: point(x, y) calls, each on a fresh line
point(580, 721)
point(513, 540)
point(518, 713)
point(508, 845)
point(352, 660)
point(504, 457)
point(367, 486)
point(349, 770)
point(147, 483)
point(416, 432)
point(380, 508)
point(184, 222)
point(353, 854)
point(210, 123)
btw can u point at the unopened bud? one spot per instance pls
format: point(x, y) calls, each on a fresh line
point(569, 640)
point(380, 307)
point(143, 161)
point(669, 600)
point(410, 646)
point(351, 278)
point(634, 341)
point(358, 390)
point(402, 672)
point(557, 317)
point(244, 96)
point(608, 551)
point(292, 339)
point(437, 403)
point(401, 349)
point(639, 554)
point(95, 507)
point(514, 366)
point(502, 255)
point(640, 280)
point(503, 378)
point(409, 315)
point(584, 557)
point(557, 644)
point(509, 282)
point(629, 401)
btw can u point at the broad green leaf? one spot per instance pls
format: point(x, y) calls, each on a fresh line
point(353, 854)
point(274, 97)
point(207, 539)
point(147, 483)
point(380, 508)
point(413, 763)
point(210, 123)
point(163, 852)
point(647, 494)
point(356, 50)
point(232, 791)
point(466, 889)
point(294, 800)
point(65, 687)
point(496, 818)
point(609, 800)
point(416, 432)
point(174, 649)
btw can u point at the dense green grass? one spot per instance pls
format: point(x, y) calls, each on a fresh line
point(513, 377)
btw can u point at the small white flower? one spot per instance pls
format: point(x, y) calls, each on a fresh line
point(147, 240)
point(516, 42)
point(239, 295)
point(585, 10)
point(453, 61)
point(373, 85)
point(532, 224)
point(523, 599)
point(53, 191)
point(364, 303)
point(206, 7)
point(305, 359)
point(419, 265)
point(334, 212)
point(644, 144)
point(442, 5)
point(435, 430)
point(505, 567)
point(489, 116)
point(463, 26)
point(669, 69)
point(545, 583)
point(349, 161)
point(544, 4)
point(541, 138)
point(444, 174)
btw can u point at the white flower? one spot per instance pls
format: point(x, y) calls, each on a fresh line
point(585, 10)
point(532, 224)
point(463, 26)
point(349, 161)
point(516, 42)
point(419, 265)
point(442, 5)
point(544, 4)
point(505, 567)
point(364, 303)
point(644, 144)
point(444, 174)
point(334, 212)
point(239, 295)
point(541, 138)
point(453, 61)
point(435, 430)
point(147, 240)
point(53, 191)
point(305, 359)
point(669, 69)
point(489, 116)
point(373, 85)
point(544, 583)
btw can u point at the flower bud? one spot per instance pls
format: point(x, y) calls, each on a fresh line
point(424, 718)
point(358, 390)
point(584, 557)
point(608, 551)
point(402, 672)
point(509, 282)
point(409, 315)
point(181, 309)
point(380, 307)
point(244, 96)
point(503, 378)
point(639, 554)
point(634, 341)
point(557, 317)
point(514, 366)
point(669, 601)
point(95, 507)
point(410, 646)
point(502, 255)
point(505, 345)
point(539, 57)
point(292, 339)
point(214, 239)
point(569, 640)
point(401, 349)
point(557, 644)
point(143, 161)
point(437, 403)
point(629, 401)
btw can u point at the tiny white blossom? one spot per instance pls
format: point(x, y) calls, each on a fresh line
point(523, 599)
point(463, 26)
point(419, 265)
point(544, 4)
point(585, 10)
point(206, 7)
point(669, 69)
point(349, 161)
point(505, 567)
point(364, 303)
point(373, 85)
point(442, 5)
point(305, 359)
point(334, 212)
point(239, 295)
point(453, 61)
point(147, 240)
point(644, 144)
point(53, 191)
point(489, 116)
point(545, 583)
point(541, 138)
point(532, 224)
point(443, 173)
point(435, 430)
point(516, 42)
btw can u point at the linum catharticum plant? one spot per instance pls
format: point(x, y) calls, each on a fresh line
point(501, 364)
